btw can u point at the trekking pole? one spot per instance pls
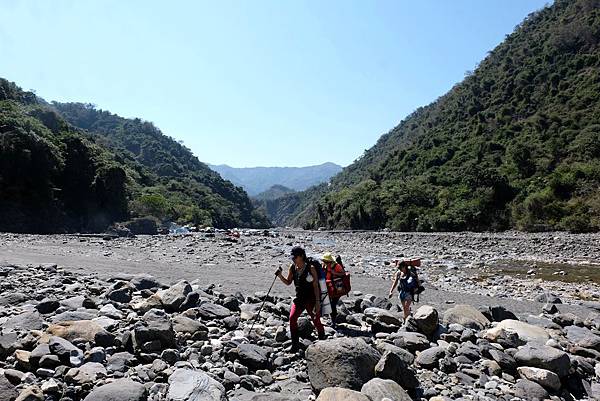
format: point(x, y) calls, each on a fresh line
point(261, 306)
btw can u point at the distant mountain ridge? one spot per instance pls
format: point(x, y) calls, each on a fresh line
point(259, 179)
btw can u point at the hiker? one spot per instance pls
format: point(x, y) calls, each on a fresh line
point(303, 274)
point(335, 275)
point(407, 281)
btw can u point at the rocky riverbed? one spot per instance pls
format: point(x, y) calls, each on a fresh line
point(504, 316)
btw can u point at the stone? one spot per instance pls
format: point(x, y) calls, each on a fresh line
point(65, 351)
point(38, 352)
point(392, 366)
point(119, 362)
point(543, 377)
point(210, 311)
point(429, 358)
point(403, 354)
point(383, 316)
point(82, 329)
point(89, 372)
point(379, 389)
point(583, 337)
point(155, 326)
point(253, 356)
point(174, 296)
point(467, 316)
point(411, 342)
point(344, 362)
point(145, 305)
point(530, 391)
point(341, 394)
point(190, 385)
point(9, 342)
point(71, 316)
point(47, 305)
point(119, 390)
point(506, 362)
point(144, 282)
point(426, 319)
point(548, 298)
point(526, 332)
point(8, 392)
point(182, 324)
point(32, 393)
point(26, 321)
point(544, 357)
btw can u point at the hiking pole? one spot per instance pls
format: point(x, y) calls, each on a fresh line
point(261, 306)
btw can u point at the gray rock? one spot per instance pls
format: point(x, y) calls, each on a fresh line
point(403, 354)
point(391, 366)
point(549, 298)
point(174, 296)
point(467, 316)
point(9, 342)
point(412, 342)
point(119, 390)
point(182, 324)
point(70, 316)
point(253, 356)
point(144, 282)
point(543, 377)
point(119, 362)
point(384, 316)
point(426, 319)
point(47, 305)
point(156, 326)
point(530, 391)
point(26, 321)
point(429, 358)
point(65, 351)
point(583, 337)
point(210, 311)
point(506, 362)
point(190, 385)
point(380, 389)
point(544, 357)
point(345, 362)
point(8, 392)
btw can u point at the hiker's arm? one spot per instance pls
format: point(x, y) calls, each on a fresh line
point(393, 285)
point(289, 279)
point(313, 272)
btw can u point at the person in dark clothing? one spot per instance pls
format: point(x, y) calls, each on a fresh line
point(304, 276)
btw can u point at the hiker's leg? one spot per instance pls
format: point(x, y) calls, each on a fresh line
point(295, 313)
point(406, 307)
point(316, 316)
point(334, 302)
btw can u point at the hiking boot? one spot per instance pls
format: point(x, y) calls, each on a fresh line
point(293, 349)
point(322, 336)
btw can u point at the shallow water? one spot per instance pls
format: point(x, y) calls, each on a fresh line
point(565, 272)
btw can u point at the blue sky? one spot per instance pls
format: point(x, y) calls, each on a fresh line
point(254, 83)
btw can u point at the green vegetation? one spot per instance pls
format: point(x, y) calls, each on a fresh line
point(515, 145)
point(70, 167)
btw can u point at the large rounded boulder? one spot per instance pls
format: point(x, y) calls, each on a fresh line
point(341, 362)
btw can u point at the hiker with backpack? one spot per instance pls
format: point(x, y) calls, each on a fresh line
point(303, 273)
point(338, 281)
point(408, 283)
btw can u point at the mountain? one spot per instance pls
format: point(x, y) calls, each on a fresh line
point(515, 145)
point(276, 191)
point(259, 179)
point(71, 167)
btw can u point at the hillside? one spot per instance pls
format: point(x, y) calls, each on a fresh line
point(259, 179)
point(276, 191)
point(71, 167)
point(516, 144)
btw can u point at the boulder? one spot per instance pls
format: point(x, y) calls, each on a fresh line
point(543, 377)
point(174, 296)
point(145, 305)
point(182, 324)
point(89, 372)
point(467, 316)
point(8, 392)
point(426, 318)
point(144, 282)
point(82, 329)
point(378, 389)
point(9, 342)
point(210, 311)
point(253, 356)
point(344, 362)
point(65, 351)
point(583, 337)
point(392, 366)
point(341, 394)
point(411, 342)
point(119, 390)
point(531, 391)
point(403, 354)
point(191, 385)
point(384, 316)
point(31, 393)
point(155, 326)
point(544, 357)
point(429, 358)
point(526, 332)
point(47, 305)
point(26, 321)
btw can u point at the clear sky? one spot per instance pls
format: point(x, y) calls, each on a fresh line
point(254, 82)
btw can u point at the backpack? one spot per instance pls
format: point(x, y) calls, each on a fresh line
point(418, 287)
point(339, 286)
